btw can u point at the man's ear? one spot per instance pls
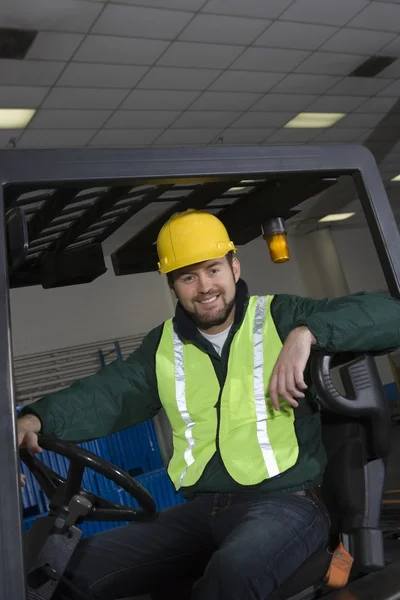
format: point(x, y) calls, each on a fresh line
point(236, 268)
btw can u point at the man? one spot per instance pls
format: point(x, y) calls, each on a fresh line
point(232, 374)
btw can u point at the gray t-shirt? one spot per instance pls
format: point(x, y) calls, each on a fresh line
point(217, 339)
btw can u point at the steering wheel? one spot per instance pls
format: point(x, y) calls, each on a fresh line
point(60, 491)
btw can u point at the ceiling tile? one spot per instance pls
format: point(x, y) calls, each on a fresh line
point(136, 21)
point(361, 120)
point(391, 90)
point(285, 102)
point(290, 136)
point(382, 16)
point(57, 46)
point(244, 136)
point(186, 137)
point(329, 63)
point(223, 30)
point(69, 119)
point(392, 49)
point(55, 138)
point(170, 78)
point(356, 86)
point(173, 4)
point(231, 81)
point(29, 72)
point(158, 100)
point(190, 54)
point(9, 135)
point(143, 119)
point(108, 76)
point(263, 119)
point(351, 40)
point(338, 135)
point(65, 15)
point(324, 13)
point(120, 50)
point(391, 72)
point(306, 84)
point(225, 101)
point(270, 59)
point(125, 137)
point(20, 96)
point(301, 36)
point(197, 118)
point(330, 103)
point(251, 8)
point(68, 97)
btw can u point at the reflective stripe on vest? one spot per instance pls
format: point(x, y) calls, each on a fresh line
point(255, 441)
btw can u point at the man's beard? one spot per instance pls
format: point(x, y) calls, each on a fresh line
point(205, 322)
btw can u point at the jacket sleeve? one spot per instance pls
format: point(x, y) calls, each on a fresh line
point(362, 322)
point(122, 394)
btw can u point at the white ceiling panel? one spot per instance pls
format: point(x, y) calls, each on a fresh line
point(8, 134)
point(376, 105)
point(263, 119)
point(192, 119)
point(361, 120)
point(58, 46)
point(391, 72)
point(300, 36)
point(96, 75)
point(324, 12)
point(143, 119)
point(125, 137)
point(223, 30)
point(284, 102)
point(69, 119)
point(208, 56)
point(29, 72)
point(120, 50)
point(334, 104)
point(240, 81)
point(55, 138)
point(329, 63)
point(225, 101)
point(338, 135)
point(382, 16)
point(251, 8)
point(392, 49)
point(68, 97)
point(137, 21)
point(244, 136)
point(186, 137)
point(391, 90)
point(270, 60)
point(63, 15)
point(296, 83)
point(173, 4)
point(292, 136)
point(357, 41)
point(356, 86)
point(20, 96)
point(158, 100)
point(170, 78)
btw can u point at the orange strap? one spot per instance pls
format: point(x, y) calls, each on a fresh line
point(340, 567)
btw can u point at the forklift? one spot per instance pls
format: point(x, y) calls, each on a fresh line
point(57, 207)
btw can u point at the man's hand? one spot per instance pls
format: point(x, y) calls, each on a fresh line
point(28, 427)
point(288, 375)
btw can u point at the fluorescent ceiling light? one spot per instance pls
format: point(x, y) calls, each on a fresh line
point(397, 178)
point(310, 120)
point(336, 217)
point(15, 118)
point(237, 189)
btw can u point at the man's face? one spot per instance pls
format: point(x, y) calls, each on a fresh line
point(207, 292)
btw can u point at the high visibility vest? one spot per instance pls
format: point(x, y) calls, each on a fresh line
point(255, 441)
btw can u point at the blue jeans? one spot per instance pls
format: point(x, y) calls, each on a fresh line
point(236, 547)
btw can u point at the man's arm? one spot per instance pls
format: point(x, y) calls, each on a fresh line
point(356, 323)
point(122, 394)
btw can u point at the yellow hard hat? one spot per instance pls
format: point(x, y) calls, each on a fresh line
point(191, 237)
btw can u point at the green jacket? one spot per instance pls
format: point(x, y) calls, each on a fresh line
point(123, 394)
